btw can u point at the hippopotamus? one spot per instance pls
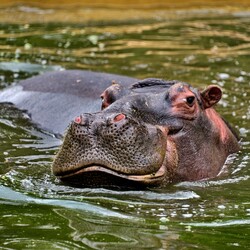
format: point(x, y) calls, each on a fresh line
point(153, 133)
point(131, 133)
point(54, 98)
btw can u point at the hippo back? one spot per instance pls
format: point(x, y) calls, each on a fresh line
point(53, 99)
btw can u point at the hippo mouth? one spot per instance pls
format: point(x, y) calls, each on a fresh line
point(102, 176)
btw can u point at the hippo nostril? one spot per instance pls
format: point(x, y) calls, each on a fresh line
point(81, 120)
point(78, 120)
point(119, 117)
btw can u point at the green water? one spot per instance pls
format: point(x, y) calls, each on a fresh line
point(199, 47)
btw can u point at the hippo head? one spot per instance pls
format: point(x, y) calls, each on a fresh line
point(152, 134)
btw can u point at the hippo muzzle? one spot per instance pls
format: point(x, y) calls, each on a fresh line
point(112, 149)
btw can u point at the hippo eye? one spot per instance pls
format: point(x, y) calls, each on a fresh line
point(190, 100)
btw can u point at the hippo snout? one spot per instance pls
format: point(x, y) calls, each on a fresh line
point(114, 143)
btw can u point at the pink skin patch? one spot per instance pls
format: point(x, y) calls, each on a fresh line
point(78, 120)
point(218, 123)
point(119, 117)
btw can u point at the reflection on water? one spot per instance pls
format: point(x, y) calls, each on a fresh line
point(95, 234)
point(199, 47)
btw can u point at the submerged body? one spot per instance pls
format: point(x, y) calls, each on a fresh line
point(149, 133)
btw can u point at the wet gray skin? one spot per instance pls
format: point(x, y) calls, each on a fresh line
point(53, 98)
point(152, 134)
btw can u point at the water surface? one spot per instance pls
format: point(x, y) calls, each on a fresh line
point(199, 46)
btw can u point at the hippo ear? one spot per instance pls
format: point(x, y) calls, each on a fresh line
point(211, 95)
point(111, 94)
